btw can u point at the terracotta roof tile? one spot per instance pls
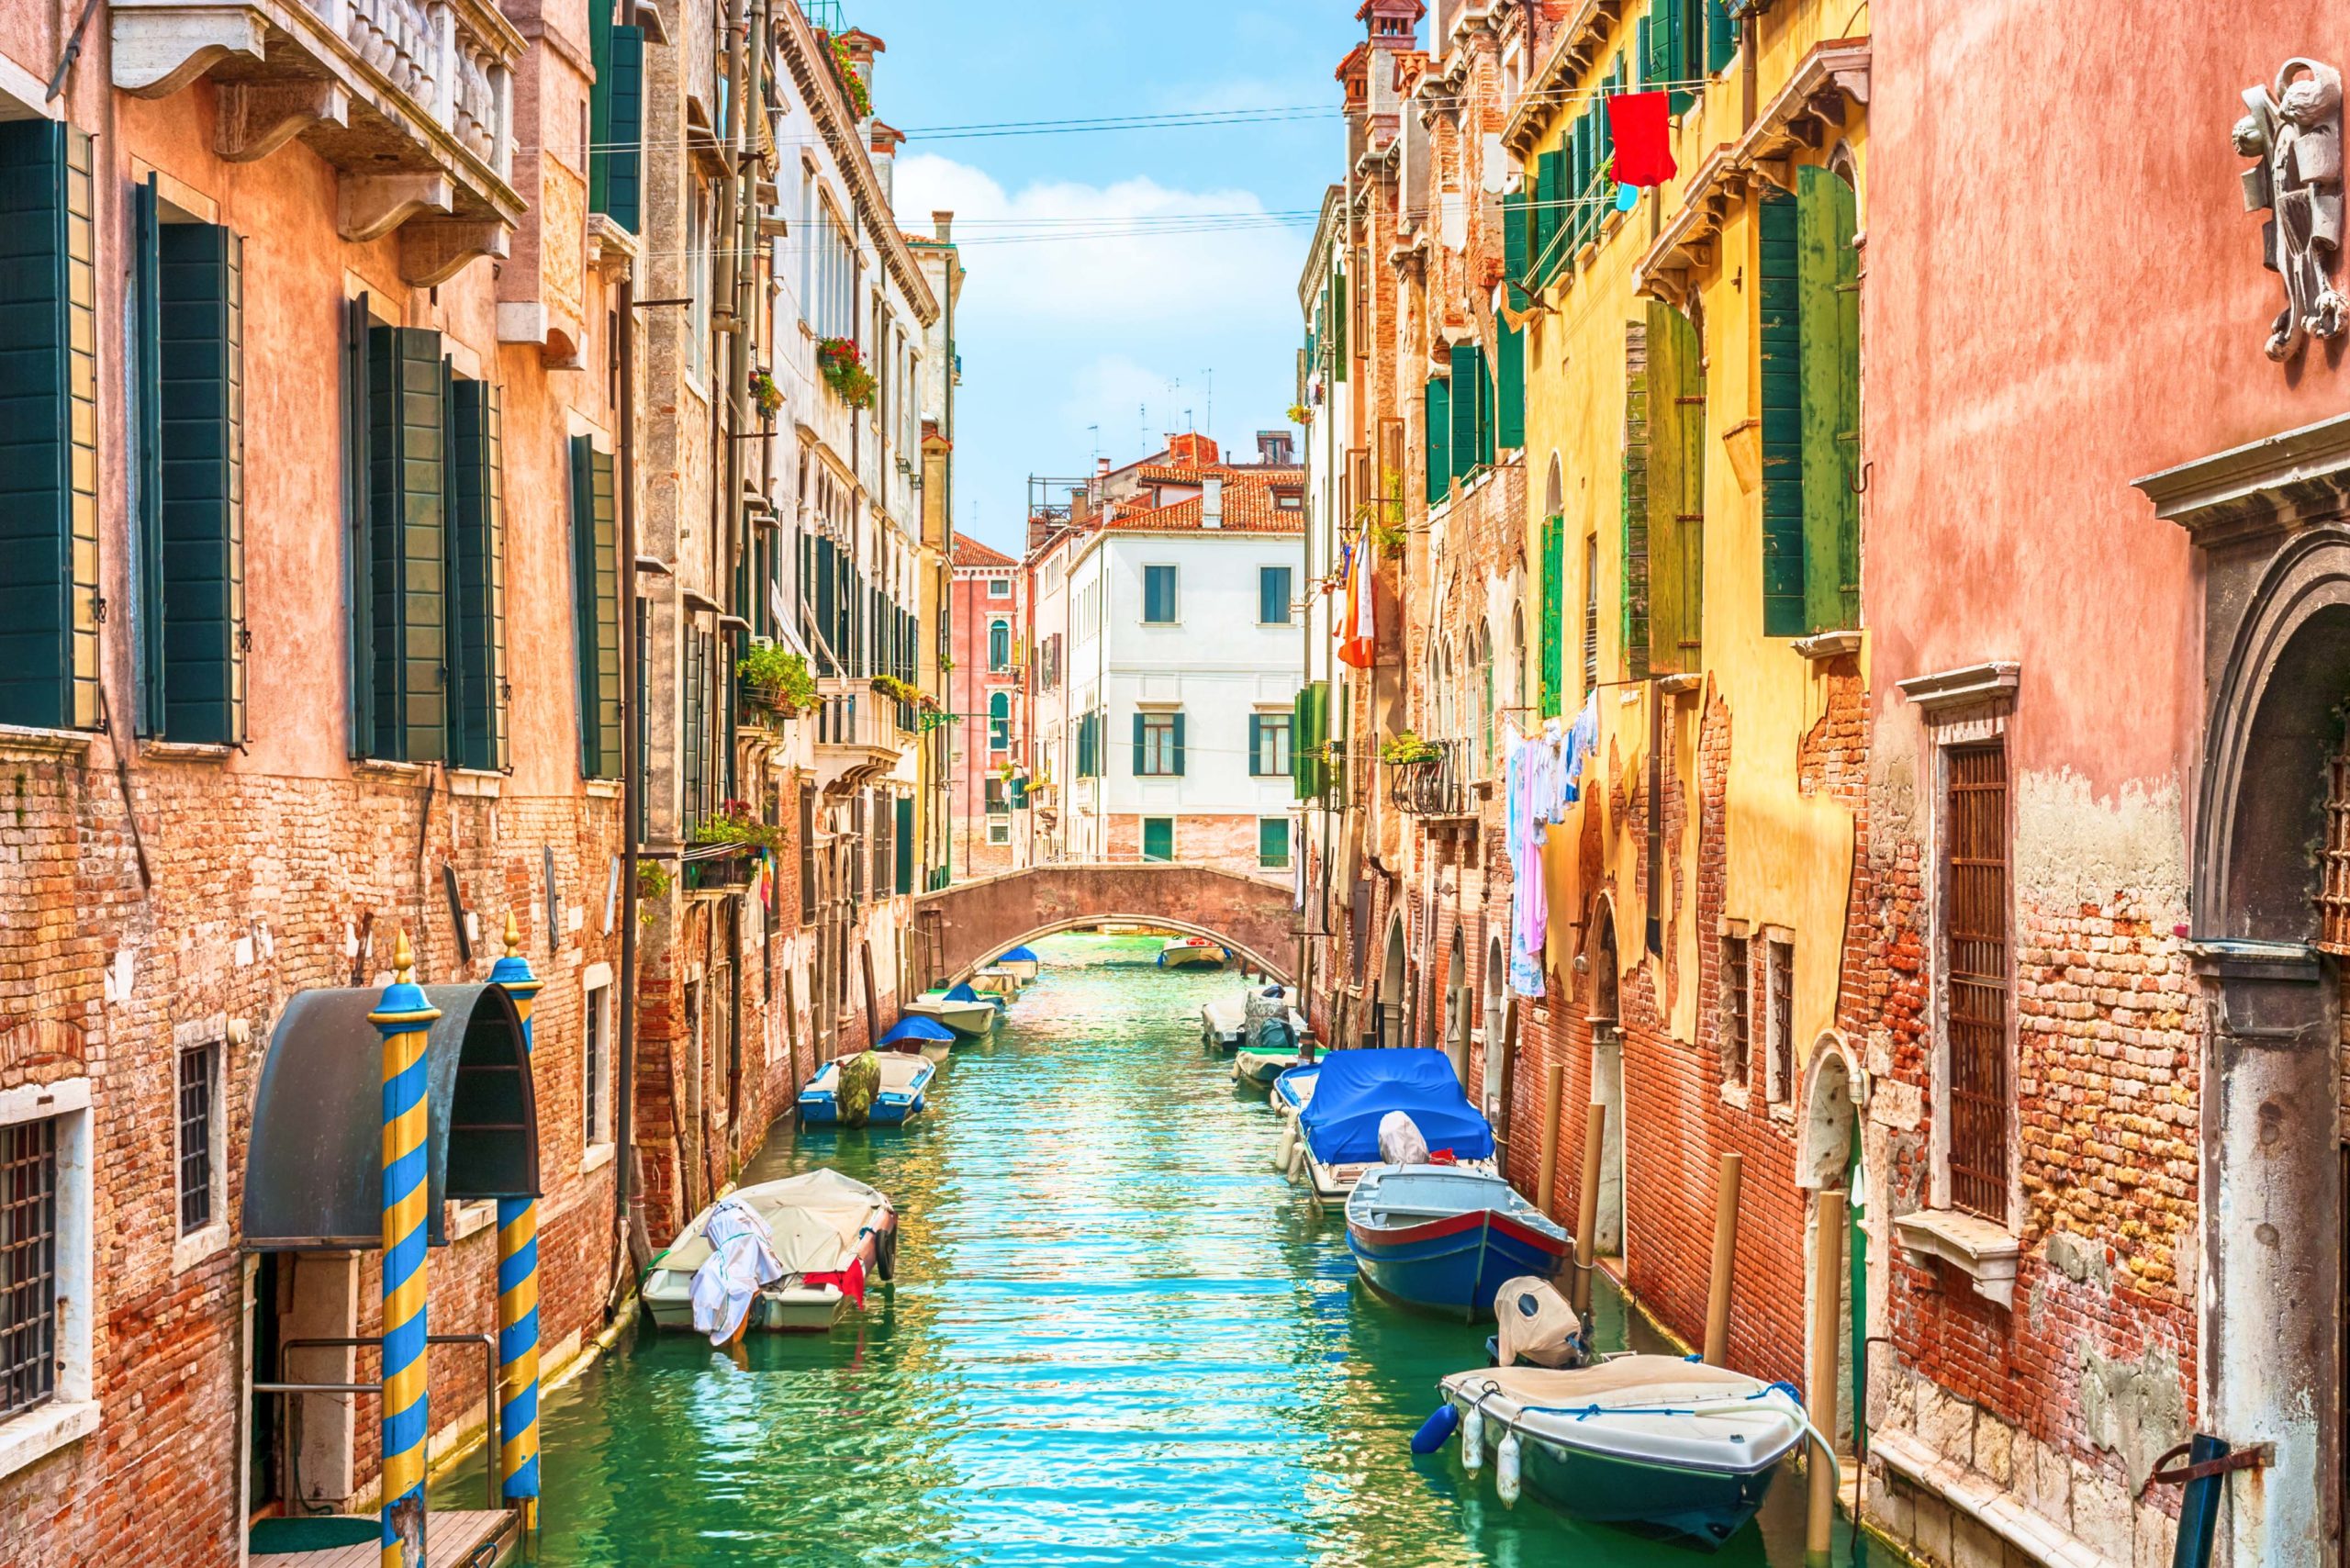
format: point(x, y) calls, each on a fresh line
point(970, 552)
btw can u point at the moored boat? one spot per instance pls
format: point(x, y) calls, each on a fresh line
point(897, 1092)
point(970, 1014)
point(996, 982)
point(928, 1036)
point(1649, 1441)
point(1192, 953)
point(1357, 1089)
point(1293, 1090)
point(1223, 1023)
point(1263, 1064)
point(1021, 963)
point(787, 1255)
point(1445, 1236)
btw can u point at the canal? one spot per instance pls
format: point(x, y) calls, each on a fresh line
point(1116, 1337)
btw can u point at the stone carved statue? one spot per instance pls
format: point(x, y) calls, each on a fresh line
point(2295, 130)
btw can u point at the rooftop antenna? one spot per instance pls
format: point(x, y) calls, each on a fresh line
point(1211, 379)
point(1096, 431)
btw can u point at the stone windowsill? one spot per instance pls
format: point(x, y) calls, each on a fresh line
point(1984, 1252)
point(467, 1219)
point(383, 768)
point(182, 751)
point(197, 1245)
point(41, 1431)
point(1825, 645)
point(44, 743)
point(603, 788)
point(596, 1159)
point(1996, 1508)
point(476, 781)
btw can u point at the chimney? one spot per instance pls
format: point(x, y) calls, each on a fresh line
point(1212, 502)
point(1039, 526)
point(884, 143)
point(942, 225)
point(1080, 508)
point(861, 47)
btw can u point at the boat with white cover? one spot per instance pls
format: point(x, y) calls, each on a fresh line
point(823, 1233)
point(970, 1014)
point(1649, 1442)
point(1223, 1023)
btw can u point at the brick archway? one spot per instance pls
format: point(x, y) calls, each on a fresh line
point(968, 925)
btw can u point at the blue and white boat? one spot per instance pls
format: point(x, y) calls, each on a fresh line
point(925, 1036)
point(1445, 1236)
point(1022, 962)
point(905, 1080)
point(960, 1008)
point(1293, 1090)
point(1357, 1089)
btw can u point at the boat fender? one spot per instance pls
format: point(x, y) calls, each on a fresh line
point(1473, 1441)
point(1506, 1472)
point(1438, 1430)
point(885, 1253)
point(1285, 1147)
point(1297, 1163)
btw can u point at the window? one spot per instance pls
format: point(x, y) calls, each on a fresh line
point(999, 829)
point(1974, 959)
point(1810, 326)
point(1778, 994)
point(994, 796)
point(1159, 838)
point(1000, 721)
point(398, 408)
point(1591, 613)
point(199, 1093)
point(1673, 458)
point(28, 1238)
point(616, 118)
point(1273, 596)
point(1158, 596)
point(1272, 843)
point(1088, 746)
point(698, 280)
point(1737, 1016)
point(49, 528)
point(998, 588)
point(1268, 744)
point(999, 644)
point(807, 856)
point(1554, 609)
point(595, 609)
point(187, 475)
point(1159, 744)
point(595, 1034)
point(476, 570)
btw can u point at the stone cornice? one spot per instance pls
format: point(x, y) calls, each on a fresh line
point(2262, 486)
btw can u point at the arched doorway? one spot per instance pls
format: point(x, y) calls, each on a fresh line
point(1456, 996)
point(1827, 1159)
point(1606, 1079)
point(1392, 1001)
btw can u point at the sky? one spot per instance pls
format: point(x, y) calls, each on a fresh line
point(1165, 297)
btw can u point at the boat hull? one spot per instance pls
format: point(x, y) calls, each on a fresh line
point(970, 1020)
point(1191, 958)
point(1021, 969)
point(1454, 1264)
point(1256, 1066)
point(1706, 1506)
point(889, 1110)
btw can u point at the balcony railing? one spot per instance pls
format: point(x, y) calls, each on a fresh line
point(857, 734)
point(411, 99)
point(1438, 786)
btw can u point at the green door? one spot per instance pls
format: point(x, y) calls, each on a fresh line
point(1159, 838)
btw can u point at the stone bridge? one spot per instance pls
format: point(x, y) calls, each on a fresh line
point(964, 927)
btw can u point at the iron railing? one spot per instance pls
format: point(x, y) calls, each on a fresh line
point(1436, 786)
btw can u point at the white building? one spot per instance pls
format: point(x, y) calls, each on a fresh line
point(1167, 628)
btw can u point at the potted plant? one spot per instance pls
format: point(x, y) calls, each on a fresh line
point(735, 828)
point(1403, 748)
point(860, 97)
point(1299, 414)
point(777, 680)
point(766, 393)
point(843, 368)
point(896, 690)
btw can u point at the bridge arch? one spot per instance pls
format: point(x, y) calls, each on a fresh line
point(964, 927)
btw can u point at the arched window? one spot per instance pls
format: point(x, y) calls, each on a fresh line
point(1553, 492)
point(1000, 721)
point(999, 644)
point(1447, 701)
point(1484, 678)
point(1518, 654)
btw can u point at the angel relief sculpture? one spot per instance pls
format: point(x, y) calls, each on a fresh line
point(2295, 129)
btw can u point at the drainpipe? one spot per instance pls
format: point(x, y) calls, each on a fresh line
point(628, 1218)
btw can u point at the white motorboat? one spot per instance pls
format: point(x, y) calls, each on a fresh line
point(1222, 1021)
point(972, 1017)
point(828, 1231)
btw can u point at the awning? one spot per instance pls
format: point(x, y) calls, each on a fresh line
point(314, 1167)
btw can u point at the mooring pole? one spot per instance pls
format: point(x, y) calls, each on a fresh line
point(1725, 1251)
point(1595, 1134)
point(518, 1285)
point(402, 1017)
point(1554, 1086)
point(1827, 1316)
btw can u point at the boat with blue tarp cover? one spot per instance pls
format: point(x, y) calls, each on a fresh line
point(915, 1033)
point(1357, 1089)
point(960, 1008)
point(898, 1093)
point(1022, 962)
point(1293, 1090)
point(1445, 1236)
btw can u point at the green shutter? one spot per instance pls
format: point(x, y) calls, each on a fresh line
point(1829, 283)
point(146, 455)
point(406, 516)
point(1159, 838)
point(201, 443)
point(616, 118)
point(1782, 432)
point(1515, 258)
point(1439, 441)
point(477, 553)
point(1644, 51)
point(1552, 166)
point(1721, 36)
point(1273, 842)
point(1488, 414)
point(596, 614)
point(1635, 500)
point(1509, 351)
point(1669, 48)
point(1552, 641)
point(358, 560)
point(1579, 179)
point(1138, 745)
point(1179, 742)
point(1338, 322)
point(1676, 484)
point(1465, 443)
point(905, 840)
point(49, 503)
point(1256, 743)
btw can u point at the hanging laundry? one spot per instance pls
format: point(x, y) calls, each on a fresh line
point(1360, 642)
point(1642, 125)
point(1526, 906)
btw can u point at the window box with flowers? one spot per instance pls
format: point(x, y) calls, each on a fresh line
point(843, 368)
point(860, 97)
point(766, 393)
point(776, 681)
point(728, 845)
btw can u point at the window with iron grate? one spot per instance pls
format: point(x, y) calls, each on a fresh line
point(1976, 961)
point(199, 1091)
point(1737, 1015)
point(28, 1264)
point(2333, 893)
point(1779, 990)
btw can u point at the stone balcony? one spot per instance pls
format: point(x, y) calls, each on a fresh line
point(857, 737)
point(410, 99)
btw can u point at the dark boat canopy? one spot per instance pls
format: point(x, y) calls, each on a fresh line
point(314, 1170)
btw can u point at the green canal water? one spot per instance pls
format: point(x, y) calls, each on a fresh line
point(1117, 1337)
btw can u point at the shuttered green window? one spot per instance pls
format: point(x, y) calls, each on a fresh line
point(1667, 52)
point(1439, 441)
point(407, 543)
point(616, 118)
point(1780, 328)
point(187, 453)
point(1159, 744)
point(1635, 500)
point(1089, 746)
point(1272, 843)
point(477, 577)
point(1553, 168)
point(1676, 488)
point(1510, 365)
point(1273, 596)
point(48, 500)
point(1159, 838)
point(1553, 641)
point(1310, 772)
point(596, 612)
point(1579, 163)
point(904, 843)
point(1828, 295)
point(1515, 249)
point(692, 747)
point(1158, 596)
point(1721, 36)
point(1338, 303)
point(1488, 410)
point(1468, 446)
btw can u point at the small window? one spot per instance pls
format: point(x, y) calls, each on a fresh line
point(1158, 753)
point(595, 1118)
point(1778, 990)
point(1159, 838)
point(994, 795)
point(1158, 596)
point(1000, 721)
point(1737, 1014)
point(199, 1095)
point(998, 588)
point(999, 644)
point(999, 829)
point(28, 1326)
point(1289, 500)
point(1269, 746)
point(1975, 959)
point(1272, 843)
point(1273, 596)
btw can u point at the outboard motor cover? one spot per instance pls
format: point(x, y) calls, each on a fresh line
point(1538, 1327)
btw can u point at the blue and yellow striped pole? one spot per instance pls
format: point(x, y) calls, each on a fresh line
point(518, 1287)
point(402, 1016)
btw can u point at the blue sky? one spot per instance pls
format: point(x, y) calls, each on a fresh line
point(1062, 334)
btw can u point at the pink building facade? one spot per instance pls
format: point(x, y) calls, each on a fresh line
point(987, 694)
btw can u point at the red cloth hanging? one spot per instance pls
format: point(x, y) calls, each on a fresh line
point(849, 1281)
point(1641, 124)
point(1358, 636)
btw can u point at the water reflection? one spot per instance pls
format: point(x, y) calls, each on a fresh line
point(1117, 1338)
